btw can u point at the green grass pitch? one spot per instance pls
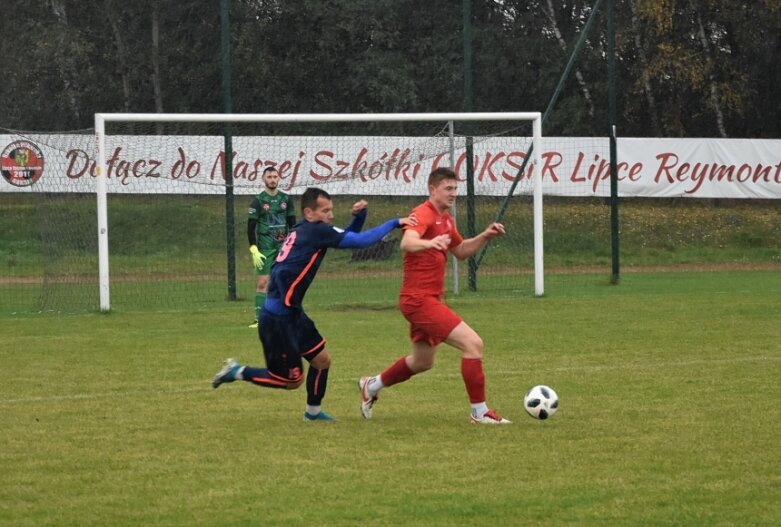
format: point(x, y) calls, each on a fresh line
point(670, 415)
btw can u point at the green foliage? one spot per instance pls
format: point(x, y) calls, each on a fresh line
point(68, 60)
point(666, 418)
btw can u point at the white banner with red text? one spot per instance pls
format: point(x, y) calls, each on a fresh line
point(571, 166)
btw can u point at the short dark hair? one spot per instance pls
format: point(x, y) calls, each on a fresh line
point(440, 174)
point(272, 168)
point(310, 196)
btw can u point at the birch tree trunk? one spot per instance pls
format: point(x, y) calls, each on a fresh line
point(124, 67)
point(563, 45)
point(58, 8)
point(156, 61)
point(714, 89)
point(644, 76)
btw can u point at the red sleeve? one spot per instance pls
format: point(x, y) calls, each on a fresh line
point(425, 219)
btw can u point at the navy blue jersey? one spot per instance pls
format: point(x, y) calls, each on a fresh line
point(299, 259)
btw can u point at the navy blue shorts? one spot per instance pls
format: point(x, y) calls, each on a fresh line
point(287, 339)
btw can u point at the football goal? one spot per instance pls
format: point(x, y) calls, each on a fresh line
point(168, 227)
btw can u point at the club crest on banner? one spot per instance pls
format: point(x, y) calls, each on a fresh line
point(21, 163)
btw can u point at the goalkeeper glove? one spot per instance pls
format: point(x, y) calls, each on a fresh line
point(257, 257)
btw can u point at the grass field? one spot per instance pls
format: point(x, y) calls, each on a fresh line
point(670, 415)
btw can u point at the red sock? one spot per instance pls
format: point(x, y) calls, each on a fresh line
point(396, 373)
point(474, 379)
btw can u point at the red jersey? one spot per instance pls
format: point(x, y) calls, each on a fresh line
point(424, 271)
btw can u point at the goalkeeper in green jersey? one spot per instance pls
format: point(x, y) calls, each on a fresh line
point(271, 216)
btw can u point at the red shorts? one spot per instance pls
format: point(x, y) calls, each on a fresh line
point(429, 319)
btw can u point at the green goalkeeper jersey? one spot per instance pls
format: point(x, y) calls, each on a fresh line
point(271, 214)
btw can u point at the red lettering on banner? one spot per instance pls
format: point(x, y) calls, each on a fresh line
point(375, 169)
point(488, 164)
point(283, 167)
point(403, 167)
point(124, 171)
point(178, 168)
point(78, 163)
point(583, 167)
point(517, 164)
point(391, 162)
point(154, 164)
point(360, 164)
point(342, 172)
point(550, 162)
point(633, 171)
point(599, 171)
point(296, 168)
point(389, 165)
point(437, 160)
point(243, 170)
point(193, 168)
point(321, 160)
point(461, 159)
point(702, 172)
point(112, 161)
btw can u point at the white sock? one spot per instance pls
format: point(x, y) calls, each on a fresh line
point(479, 409)
point(374, 385)
point(240, 374)
point(312, 410)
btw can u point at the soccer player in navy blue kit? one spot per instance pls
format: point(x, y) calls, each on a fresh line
point(288, 335)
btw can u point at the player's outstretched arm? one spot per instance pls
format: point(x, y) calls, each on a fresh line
point(353, 240)
point(470, 246)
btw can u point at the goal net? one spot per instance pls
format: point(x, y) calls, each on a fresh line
point(147, 211)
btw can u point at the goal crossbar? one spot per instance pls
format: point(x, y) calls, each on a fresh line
point(316, 117)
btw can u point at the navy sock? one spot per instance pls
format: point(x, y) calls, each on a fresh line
point(316, 383)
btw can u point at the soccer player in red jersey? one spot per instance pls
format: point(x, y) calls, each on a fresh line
point(425, 247)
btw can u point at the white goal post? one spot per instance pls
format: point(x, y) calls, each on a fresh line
point(102, 169)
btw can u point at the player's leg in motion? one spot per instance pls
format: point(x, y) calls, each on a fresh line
point(442, 326)
point(284, 366)
point(233, 371)
point(313, 346)
point(316, 384)
point(420, 360)
point(469, 342)
point(430, 323)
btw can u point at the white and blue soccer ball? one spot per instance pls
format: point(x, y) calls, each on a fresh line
point(541, 402)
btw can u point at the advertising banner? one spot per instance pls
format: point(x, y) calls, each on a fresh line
point(571, 166)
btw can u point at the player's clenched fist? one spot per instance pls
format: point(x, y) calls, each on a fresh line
point(441, 242)
point(494, 230)
point(358, 206)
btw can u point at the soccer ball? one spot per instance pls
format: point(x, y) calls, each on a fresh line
point(541, 402)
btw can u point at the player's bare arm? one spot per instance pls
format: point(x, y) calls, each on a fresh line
point(412, 242)
point(470, 246)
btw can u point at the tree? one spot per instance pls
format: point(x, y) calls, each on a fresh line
point(685, 67)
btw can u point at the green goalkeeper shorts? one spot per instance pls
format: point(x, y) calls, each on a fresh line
point(271, 255)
